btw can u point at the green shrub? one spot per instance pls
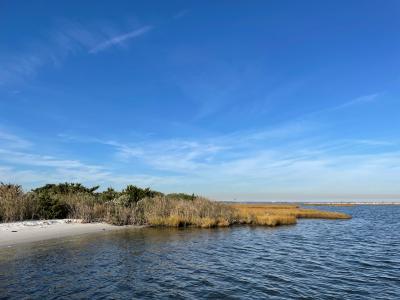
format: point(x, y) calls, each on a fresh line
point(108, 195)
point(132, 194)
point(65, 188)
point(49, 207)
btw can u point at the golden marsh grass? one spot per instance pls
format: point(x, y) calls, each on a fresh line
point(284, 214)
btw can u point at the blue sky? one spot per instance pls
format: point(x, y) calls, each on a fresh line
point(266, 100)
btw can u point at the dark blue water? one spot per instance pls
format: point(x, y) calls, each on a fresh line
point(315, 259)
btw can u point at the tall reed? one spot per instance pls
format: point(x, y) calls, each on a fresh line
point(15, 205)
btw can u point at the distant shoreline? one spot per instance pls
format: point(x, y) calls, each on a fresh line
point(349, 203)
point(314, 203)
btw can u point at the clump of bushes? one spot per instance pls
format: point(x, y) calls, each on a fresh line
point(49, 207)
point(65, 189)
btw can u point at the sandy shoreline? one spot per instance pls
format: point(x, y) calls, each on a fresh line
point(33, 231)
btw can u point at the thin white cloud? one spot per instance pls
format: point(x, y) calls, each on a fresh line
point(359, 100)
point(180, 156)
point(370, 142)
point(33, 177)
point(31, 159)
point(20, 163)
point(68, 39)
point(119, 39)
point(13, 141)
point(258, 162)
point(354, 102)
point(234, 164)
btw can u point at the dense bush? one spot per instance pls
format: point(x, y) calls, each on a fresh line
point(132, 194)
point(50, 207)
point(108, 195)
point(65, 188)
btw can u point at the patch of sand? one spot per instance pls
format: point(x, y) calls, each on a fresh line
point(33, 231)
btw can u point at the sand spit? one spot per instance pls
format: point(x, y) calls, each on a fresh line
point(33, 231)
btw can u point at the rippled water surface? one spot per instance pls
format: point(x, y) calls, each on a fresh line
point(316, 259)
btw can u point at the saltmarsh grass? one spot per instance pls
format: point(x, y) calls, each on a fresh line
point(200, 212)
point(135, 206)
point(285, 213)
point(15, 205)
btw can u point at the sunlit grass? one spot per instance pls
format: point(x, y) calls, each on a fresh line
point(285, 214)
point(173, 212)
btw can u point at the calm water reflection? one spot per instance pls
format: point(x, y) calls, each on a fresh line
point(316, 259)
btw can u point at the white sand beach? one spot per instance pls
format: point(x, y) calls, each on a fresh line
point(32, 231)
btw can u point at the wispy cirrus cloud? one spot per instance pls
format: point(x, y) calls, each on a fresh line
point(13, 141)
point(30, 159)
point(360, 100)
point(21, 162)
point(67, 39)
point(120, 39)
point(256, 161)
point(365, 99)
point(243, 165)
point(32, 177)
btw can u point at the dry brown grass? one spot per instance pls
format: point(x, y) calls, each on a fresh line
point(200, 212)
point(161, 211)
point(15, 205)
point(280, 214)
point(267, 215)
